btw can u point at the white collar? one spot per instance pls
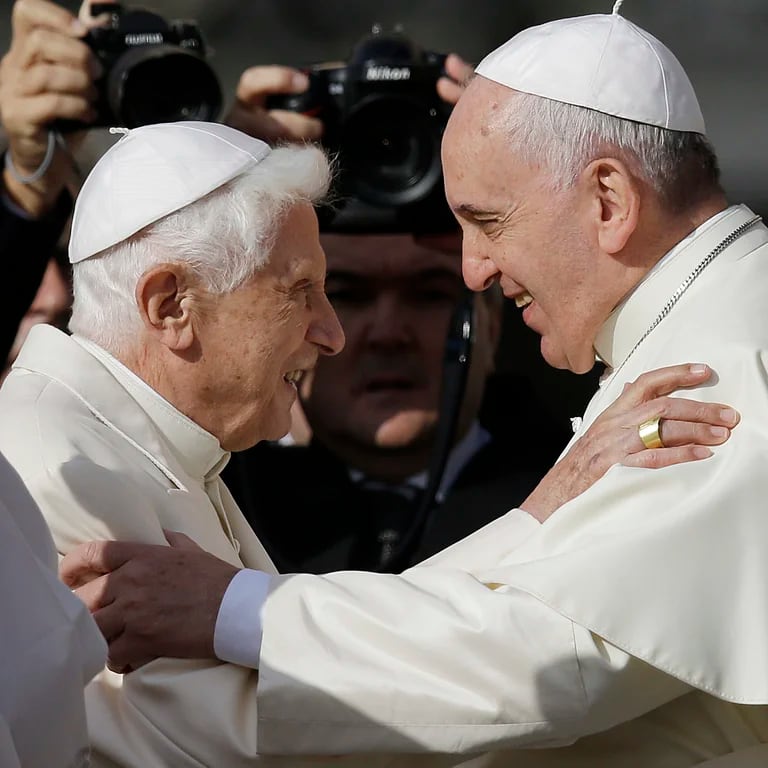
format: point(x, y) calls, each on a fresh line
point(196, 450)
point(626, 325)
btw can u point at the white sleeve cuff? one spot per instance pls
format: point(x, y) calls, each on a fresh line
point(237, 636)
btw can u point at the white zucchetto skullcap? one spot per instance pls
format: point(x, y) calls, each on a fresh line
point(602, 62)
point(151, 172)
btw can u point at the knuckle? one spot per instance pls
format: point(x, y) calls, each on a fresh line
point(649, 458)
point(90, 552)
point(18, 11)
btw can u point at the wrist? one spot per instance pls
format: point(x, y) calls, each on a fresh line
point(39, 197)
point(35, 184)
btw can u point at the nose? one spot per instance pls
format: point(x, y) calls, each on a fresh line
point(325, 330)
point(388, 321)
point(478, 270)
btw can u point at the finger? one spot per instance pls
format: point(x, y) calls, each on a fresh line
point(28, 14)
point(95, 557)
point(457, 69)
point(256, 83)
point(51, 46)
point(681, 433)
point(111, 622)
point(684, 409)
point(684, 422)
point(180, 540)
point(133, 666)
point(657, 458)
point(278, 125)
point(87, 18)
point(56, 78)
point(297, 127)
point(93, 590)
point(448, 90)
point(37, 111)
point(661, 381)
point(125, 655)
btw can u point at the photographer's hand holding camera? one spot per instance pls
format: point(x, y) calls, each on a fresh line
point(251, 114)
point(47, 75)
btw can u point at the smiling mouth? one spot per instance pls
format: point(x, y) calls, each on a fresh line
point(523, 300)
point(292, 377)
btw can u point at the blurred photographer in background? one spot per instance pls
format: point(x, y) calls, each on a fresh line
point(398, 456)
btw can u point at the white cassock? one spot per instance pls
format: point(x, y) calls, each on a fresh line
point(50, 646)
point(630, 629)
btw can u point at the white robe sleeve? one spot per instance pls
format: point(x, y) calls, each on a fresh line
point(436, 661)
point(50, 645)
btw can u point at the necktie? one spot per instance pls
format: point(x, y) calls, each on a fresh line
point(387, 513)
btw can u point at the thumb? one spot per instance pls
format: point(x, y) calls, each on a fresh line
point(180, 540)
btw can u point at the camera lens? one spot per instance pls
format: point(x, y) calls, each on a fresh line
point(391, 151)
point(159, 84)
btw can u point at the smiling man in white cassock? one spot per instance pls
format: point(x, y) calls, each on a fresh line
point(631, 627)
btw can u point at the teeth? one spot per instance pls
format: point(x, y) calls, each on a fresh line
point(523, 300)
point(293, 376)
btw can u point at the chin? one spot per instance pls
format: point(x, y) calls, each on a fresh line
point(405, 428)
point(579, 362)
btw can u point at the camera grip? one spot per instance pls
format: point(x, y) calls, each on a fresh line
point(309, 102)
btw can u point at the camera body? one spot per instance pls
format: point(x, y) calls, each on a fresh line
point(384, 120)
point(154, 70)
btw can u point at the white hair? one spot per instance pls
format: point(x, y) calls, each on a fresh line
point(225, 237)
point(680, 166)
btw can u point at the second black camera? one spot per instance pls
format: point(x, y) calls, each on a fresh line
point(384, 119)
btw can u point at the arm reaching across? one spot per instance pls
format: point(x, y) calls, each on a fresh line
point(133, 589)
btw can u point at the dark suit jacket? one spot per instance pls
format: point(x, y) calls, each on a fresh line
point(312, 518)
point(26, 245)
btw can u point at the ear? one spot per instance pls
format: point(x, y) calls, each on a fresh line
point(616, 197)
point(165, 300)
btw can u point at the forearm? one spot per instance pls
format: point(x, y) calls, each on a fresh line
point(435, 661)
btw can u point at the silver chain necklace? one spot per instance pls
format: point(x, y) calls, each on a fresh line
point(686, 284)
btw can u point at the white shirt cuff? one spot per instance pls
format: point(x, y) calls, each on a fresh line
point(237, 636)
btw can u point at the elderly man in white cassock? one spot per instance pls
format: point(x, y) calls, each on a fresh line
point(628, 629)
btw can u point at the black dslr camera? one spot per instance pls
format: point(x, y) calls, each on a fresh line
point(155, 71)
point(384, 121)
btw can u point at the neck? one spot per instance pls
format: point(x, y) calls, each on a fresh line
point(672, 228)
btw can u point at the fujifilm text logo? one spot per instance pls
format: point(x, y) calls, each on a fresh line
point(388, 73)
point(144, 38)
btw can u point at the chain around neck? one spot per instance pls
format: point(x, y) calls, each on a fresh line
point(686, 284)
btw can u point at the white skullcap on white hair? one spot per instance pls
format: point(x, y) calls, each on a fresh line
point(152, 171)
point(603, 62)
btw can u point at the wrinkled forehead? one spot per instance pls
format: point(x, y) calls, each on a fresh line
point(478, 161)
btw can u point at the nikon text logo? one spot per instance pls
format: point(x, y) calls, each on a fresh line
point(388, 73)
point(144, 38)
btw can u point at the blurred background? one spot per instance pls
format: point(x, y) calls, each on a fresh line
point(721, 43)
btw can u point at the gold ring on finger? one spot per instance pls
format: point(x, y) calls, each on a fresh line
point(650, 434)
